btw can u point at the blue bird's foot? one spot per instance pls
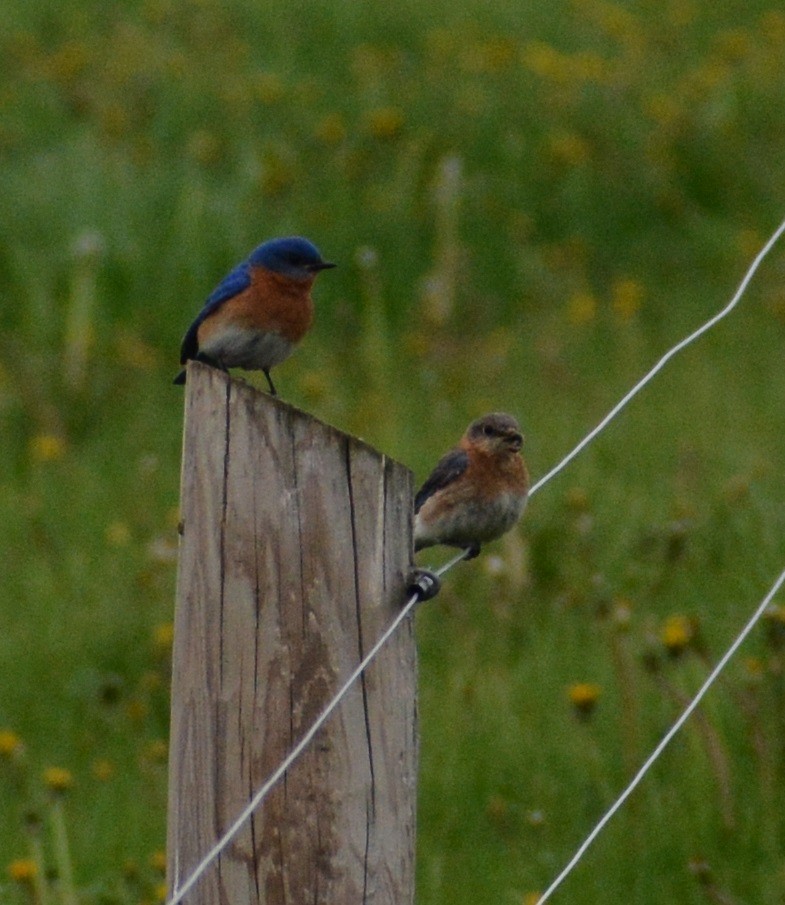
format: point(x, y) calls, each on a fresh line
point(424, 583)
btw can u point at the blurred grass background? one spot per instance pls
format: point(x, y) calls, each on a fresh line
point(529, 204)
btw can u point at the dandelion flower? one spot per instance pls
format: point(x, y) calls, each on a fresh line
point(385, 122)
point(23, 870)
point(163, 637)
point(102, 769)
point(58, 779)
point(583, 697)
point(626, 298)
point(581, 309)
point(47, 448)
point(677, 633)
point(10, 743)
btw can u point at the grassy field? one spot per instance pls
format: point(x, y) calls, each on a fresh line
point(529, 204)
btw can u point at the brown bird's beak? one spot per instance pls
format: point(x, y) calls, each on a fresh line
point(320, 265)
point(515, 442)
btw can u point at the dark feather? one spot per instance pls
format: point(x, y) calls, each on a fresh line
point(231, 285)
point(451, 466)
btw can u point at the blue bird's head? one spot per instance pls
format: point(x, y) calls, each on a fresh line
point(292, 256)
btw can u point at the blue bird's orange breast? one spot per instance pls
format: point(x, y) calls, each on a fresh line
point(259, 326)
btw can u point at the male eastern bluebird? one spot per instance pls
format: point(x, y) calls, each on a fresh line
point(477, 491)
point(259, 311)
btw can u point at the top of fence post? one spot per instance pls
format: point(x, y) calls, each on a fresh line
point(295, 548)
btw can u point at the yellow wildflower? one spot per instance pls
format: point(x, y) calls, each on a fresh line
point(10, 743)
point(204, 147)
point(118, 534)
point(156, 751)
point(163, 637)
point(269, 88)
point(136, 710)
point(626, 298)
point(772, 25)
point(581, 309)
point(568, 148)
point(385, 122)
point(102, 769)
point(134, 351)
point(69, 61)
point(331, 129)
point(749, 242)
point(734, 44)
point(545, 61)
point(583, 697)
point(158, 861)
point(530, 898)
point(23, 870)
point(754, 667)
point(677, 633)
point(58, 779)
point(577, 499)
point(492, 55)
point(47, 448)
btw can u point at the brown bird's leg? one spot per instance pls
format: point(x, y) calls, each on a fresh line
point(471, 551)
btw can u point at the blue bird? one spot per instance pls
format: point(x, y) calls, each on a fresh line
point(259, 312)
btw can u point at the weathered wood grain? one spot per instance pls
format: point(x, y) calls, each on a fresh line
point(296, 544)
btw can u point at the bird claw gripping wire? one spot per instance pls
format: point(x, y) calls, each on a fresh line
point(424, 583)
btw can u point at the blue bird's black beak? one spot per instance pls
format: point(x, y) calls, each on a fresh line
point(320, 265)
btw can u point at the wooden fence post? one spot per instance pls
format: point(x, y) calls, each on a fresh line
point(295, 548)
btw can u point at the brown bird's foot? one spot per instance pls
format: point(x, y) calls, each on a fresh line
point(471, 551)
point(266, 372)
point(424, 583)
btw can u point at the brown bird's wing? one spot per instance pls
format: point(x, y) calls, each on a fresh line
point(451, 466)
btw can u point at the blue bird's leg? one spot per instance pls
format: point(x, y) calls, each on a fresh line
point(273, 391)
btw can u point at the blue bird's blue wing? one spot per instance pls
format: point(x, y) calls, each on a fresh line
point(231, 285)
point(451, 466)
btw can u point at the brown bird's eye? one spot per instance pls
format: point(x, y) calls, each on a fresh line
point(488, 430)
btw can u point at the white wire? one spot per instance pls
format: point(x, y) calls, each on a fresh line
point(261, 794)
point(179, 892)
point(665, 740)
point(663, 361)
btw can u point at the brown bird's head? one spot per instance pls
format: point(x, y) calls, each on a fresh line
point(495, 433)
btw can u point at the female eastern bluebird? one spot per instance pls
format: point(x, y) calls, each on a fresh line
point(259, 311)
point(477, 491)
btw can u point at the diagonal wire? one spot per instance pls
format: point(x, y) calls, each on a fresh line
point(665, 741)
point(262, 793)
point(663, 361)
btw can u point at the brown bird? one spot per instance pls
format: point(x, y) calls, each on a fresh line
point(477, 491)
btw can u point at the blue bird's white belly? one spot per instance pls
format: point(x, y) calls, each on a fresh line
point(243, 347)
point(467, 521)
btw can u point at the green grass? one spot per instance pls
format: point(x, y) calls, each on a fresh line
point(554, 195)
